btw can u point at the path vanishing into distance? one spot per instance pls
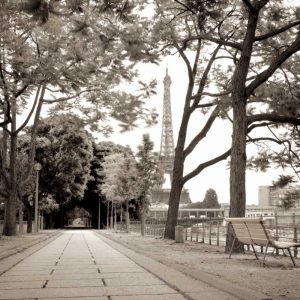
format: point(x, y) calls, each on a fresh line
point(81, 264)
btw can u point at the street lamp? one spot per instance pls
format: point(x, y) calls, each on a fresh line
point(37, 168)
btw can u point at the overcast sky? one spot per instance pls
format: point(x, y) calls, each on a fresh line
point(217, 141)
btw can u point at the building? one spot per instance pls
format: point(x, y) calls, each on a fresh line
point(269, 196)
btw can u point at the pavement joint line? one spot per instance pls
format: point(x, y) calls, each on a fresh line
point(167, 283)
point(45, 284)
point(104, 282)
point(27, 246)
point(47, 241)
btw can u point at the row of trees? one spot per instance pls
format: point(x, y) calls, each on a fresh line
point(241, 59)
point(126, 178)
point(74, 166)
point(66, 55)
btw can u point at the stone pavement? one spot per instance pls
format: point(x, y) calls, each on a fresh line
point(83, 265)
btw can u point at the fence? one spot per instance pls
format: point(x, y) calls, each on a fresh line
point(213, 231)
point(17, 227)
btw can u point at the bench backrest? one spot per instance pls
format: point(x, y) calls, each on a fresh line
point(250, 231)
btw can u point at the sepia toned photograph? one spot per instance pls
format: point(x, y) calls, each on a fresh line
point(150, 149)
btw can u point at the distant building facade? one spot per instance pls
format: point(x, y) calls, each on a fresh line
point(269, 196)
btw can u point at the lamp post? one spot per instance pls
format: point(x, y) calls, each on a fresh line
point(37, 168)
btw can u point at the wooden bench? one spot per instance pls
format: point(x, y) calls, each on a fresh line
point(253, 232)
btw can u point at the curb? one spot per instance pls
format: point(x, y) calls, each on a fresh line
point(217, 283)
point(26, 246)
point(13, 257)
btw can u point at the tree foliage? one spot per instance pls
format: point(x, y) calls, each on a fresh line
point(148, 171)
point(211, 199)
point(64, 149)
point(242, 66)
point(76, 55)
point(283, 181)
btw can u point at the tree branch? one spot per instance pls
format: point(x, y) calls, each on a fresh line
point(202, 133)
point(250, 128)
point(31, 111)
point(208, 163)
point(273, 118)
point(48, 101)
point(263, 76)
point(211, 94)
point(214, 40)
point(276, 31)
point(204, 77)
point(26, 175)
point(249, 5)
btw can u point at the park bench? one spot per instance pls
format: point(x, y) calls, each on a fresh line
point(253, 232)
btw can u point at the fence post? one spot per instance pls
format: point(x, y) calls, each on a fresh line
point(276, 230)
point(295, 235)
point(197, 233)
point(203, 231)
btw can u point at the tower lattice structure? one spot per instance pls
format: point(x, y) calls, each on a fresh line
point(160, 194)
point(166, 154)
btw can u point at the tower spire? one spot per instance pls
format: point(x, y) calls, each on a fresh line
point(166, 154)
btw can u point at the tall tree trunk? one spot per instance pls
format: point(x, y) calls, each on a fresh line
point(11, 204)
point(115, 218)
point(112, 216)
point(29, 219)
point(20, 218)
point(127, 217)
point(176, 188)
point(239, 134)
point(178, 166)
point(51, 226)
point(143, 221)
point(107, 215)
point(121, 214)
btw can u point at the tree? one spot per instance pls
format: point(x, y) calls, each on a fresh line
point(64, 148)
point(120, 180)
point(283, 181)
point(246, 80)
point(238, 31)
point(77, 68)
point(148, 175)
point(94, 195)
point(211, 199)
point(177, 24)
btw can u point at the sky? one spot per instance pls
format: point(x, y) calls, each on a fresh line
point(218, 140)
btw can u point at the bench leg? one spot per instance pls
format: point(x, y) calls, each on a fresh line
point(254, 252)
point(265, 254)
point(232, 247)
point(292, 258)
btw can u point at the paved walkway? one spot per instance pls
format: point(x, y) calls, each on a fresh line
point(84, 265)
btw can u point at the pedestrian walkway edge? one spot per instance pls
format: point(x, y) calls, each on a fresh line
point(13, 257)
point(188, 284)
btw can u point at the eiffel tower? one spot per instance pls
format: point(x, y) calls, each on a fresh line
point(160, 194)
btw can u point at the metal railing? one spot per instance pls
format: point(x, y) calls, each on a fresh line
point(213, 231)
